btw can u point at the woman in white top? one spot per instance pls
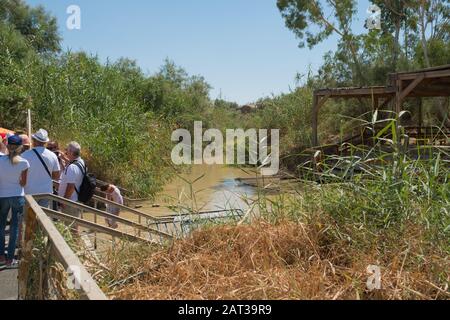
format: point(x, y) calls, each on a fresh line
point(13, 178)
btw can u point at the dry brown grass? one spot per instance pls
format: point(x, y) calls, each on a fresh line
point(284, 261)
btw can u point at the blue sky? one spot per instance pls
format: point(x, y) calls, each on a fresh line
point(241, 47)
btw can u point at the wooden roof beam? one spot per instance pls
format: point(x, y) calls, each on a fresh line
point(404, 93)
point(355, 92)
point(428, 75)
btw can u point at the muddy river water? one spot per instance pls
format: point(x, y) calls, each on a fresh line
point(204, 188)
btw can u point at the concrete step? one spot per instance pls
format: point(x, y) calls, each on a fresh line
point(8, 284)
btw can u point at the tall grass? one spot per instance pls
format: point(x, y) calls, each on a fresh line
point(122, 118)
point(377, 206)
point(390, 182)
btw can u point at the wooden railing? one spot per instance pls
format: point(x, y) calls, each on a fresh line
point(181, 225)
point(43, 245)
point(138, 226)
point(36, 220)
point(126, 194)
point(50, 268)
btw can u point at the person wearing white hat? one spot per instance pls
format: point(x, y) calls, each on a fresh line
point(44, 167)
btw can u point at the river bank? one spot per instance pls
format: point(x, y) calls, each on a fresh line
point(314, 243)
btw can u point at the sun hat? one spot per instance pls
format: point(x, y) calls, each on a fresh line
point(41, 136)
point(15, 140)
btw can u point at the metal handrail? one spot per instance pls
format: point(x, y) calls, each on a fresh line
point(98, 212)
point(94, 226)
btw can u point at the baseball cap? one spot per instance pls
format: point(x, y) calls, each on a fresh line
point(15, 140)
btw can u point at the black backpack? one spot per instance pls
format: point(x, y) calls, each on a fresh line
point(88, 185)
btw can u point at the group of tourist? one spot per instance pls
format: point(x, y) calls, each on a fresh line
point(31, 168)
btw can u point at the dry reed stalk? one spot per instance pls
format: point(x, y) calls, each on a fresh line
point(265, 261)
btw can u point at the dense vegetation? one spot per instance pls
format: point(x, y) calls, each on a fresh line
point(124, 110)
point(122, 117)
point(314, 242)
point(413, 35)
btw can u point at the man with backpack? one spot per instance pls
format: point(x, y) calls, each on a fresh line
point(72, 178)
point(44, 167)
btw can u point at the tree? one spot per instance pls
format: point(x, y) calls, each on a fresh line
point(174, 94)
point(14, 43)
point(14, 98)
point(304, 17)
point(432, 18)
point(393, 15)
point(35, 24)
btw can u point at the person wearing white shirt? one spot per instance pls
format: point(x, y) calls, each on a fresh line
point(112, 194)
point(13, 178)
point(44, 167)
point(71, 178)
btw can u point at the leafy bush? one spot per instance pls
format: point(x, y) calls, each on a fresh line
point(125, 136)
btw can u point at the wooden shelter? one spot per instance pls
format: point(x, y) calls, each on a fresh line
point(431, 82)
point(248, 108)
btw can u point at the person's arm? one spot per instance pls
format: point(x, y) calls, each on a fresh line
point(23, 178)
point(70, 182)
point(62, 164)
point(119, 197)
point(56, 175)
point(63, 157)
point(56, 169)
point(69, 190)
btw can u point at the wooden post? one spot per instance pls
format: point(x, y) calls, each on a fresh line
point(317, 104)
point(420, 103)
point(41, 276)
point(140, 222)
point(376, 103)
point(315, 141)
point(27, 254)
point(398, 109)
point(29, 123)
point(398, 100)
point(95, 220)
